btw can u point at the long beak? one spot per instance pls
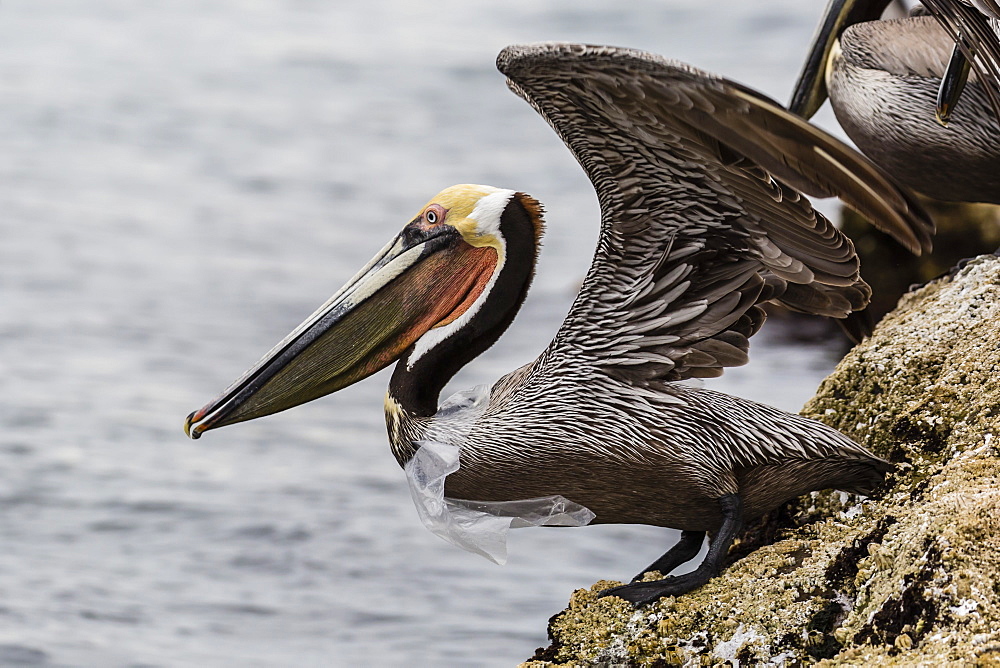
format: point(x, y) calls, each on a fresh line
point(412, 285)
point(810, 90)
point(952, 83)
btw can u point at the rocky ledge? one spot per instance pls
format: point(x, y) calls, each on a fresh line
point(907, 577)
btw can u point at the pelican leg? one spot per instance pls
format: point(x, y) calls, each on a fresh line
point(684, 550)
point(647, 592)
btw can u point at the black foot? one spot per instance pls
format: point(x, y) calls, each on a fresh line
point(689, 544)
point(683, 551)
point(640, 593)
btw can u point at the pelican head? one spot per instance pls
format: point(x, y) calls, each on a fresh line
point(442, 291)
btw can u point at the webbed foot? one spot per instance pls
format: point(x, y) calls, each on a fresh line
point(641, 593)
point(689, 544)
point(683, 551)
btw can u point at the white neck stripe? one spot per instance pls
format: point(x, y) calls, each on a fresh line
point(486, 213)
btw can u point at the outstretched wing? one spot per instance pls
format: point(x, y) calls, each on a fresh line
point(702, 221)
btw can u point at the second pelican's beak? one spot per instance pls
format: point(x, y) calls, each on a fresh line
point(953, 82)
point(424, 278)
point(810, 90)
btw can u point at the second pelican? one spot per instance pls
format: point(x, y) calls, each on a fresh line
point(884, 78)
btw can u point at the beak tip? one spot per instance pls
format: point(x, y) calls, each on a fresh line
point(195, 433)
point(942, 115)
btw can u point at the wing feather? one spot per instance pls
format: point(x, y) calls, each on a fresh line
point(702, 219)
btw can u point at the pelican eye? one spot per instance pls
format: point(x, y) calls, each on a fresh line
point(434, 214)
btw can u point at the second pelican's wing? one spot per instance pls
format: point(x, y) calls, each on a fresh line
point(701, 219)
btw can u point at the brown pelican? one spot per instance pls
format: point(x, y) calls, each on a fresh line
point(884, 77)
point(702, 223)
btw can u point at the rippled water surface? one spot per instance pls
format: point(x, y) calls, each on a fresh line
point(180, 184)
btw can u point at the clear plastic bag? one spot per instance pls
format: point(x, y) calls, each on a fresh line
point(477, 526)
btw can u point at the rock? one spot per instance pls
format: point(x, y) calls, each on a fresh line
point(907, 577)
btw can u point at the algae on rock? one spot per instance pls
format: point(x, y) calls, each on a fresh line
point(908, 577)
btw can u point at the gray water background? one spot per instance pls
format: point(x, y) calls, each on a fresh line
point(180, 184)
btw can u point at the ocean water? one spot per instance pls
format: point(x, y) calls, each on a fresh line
point(180, 184)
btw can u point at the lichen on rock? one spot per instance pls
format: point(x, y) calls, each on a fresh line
point(907, 577)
